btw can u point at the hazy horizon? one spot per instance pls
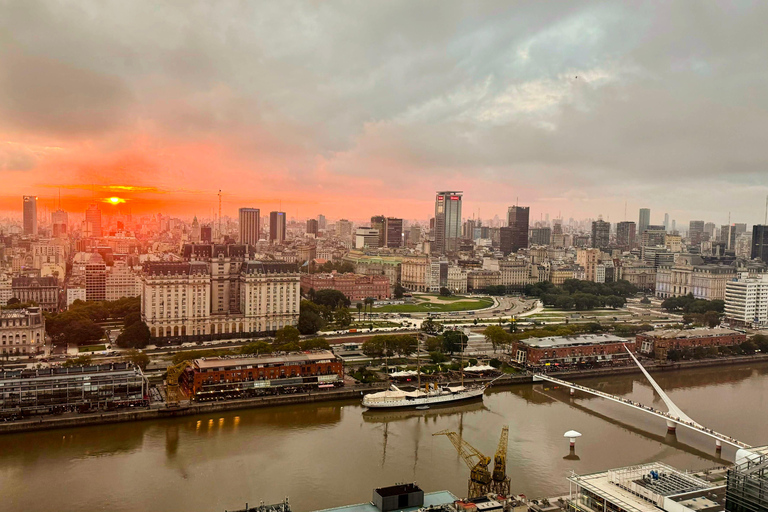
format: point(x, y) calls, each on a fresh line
point(354, 109)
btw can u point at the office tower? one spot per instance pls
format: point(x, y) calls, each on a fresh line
point(93, 221)
point(541, 236)
point(321, 222)
point(206, 234)
point(344, 228)
point(709, 231)
point(696, 232)
point(59, 221)
point(366, 237)
point(277, 227)
point(674, 226)
point(312, 226)
point(378, 222)
point(250, 225)
point(654, 236)
point(415, 236)
point(625, 235)
point(645, 220)
point(194, 235)
point(447, 229)
point(394, 232)
point(517, 221)
point(30, 215)
point(666, 221)
point(601, 234)
point(469, 229)
point(760, 242)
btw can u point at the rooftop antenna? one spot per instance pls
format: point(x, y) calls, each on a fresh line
point(219, 214)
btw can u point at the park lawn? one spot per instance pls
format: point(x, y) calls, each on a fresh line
point(447, 298)
point(92, 348)
point(426, 307)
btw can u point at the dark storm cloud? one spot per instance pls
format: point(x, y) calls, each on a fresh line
point(597, 97)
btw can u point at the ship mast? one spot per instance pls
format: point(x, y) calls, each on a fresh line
point(418, 363)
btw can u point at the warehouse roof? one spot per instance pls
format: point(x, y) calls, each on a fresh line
point(569, 341)
point(702, 332)
point(210, 363)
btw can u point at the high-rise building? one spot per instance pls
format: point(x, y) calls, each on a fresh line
point(644, 221)
point(250, 225)
point(59, 220)
point(195, 231)
point(666, 221)
point(344, 228)
point(394, 232)
point(696, 232)
point(366, 237)
point(206, 234)
point(321, 222)
point(30, 215)
point(379, 222)
point(541, 236)
point(277, 227)
point(447, 229)
point(746, 300)
point(760, 242)
point(93, 221)
point(601, 234)
point(517, 221)
point(625, 234)
point(312, 226)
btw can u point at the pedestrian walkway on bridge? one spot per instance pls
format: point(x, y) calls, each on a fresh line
point(674, 416)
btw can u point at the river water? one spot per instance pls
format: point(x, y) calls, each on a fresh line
point(331, 454)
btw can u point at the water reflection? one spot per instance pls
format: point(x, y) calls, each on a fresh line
point(572, 454)
point(669, 438)
point(385, 416)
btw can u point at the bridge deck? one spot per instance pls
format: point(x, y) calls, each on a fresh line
point(646, 409)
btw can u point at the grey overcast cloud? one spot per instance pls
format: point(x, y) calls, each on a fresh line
point(572, 107)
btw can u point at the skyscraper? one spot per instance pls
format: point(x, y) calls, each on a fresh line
point(312, 226)
point(250, 225)
point(666, 221)
point(695, 232)
point(195, 232)
point(30, 215)
point(321, 222)
point(277, 227)
point(379, 222)
point(93, 221)
point(625, 235)
point(601, 234)
point(59, 220)
point(760, 242)
point(394, 232)
point(645, 220)
point(447, 222)
point(517, 221)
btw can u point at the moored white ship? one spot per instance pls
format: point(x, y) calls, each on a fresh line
point(396, 397)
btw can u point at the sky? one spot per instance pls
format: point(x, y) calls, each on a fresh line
point(352, 109)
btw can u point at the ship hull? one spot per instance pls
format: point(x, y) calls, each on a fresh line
point(471, 394)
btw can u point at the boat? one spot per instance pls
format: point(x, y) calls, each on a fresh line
point(432, 394)
point(395, 397)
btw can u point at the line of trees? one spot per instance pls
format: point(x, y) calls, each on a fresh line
point(582, 295)
point(79, 323)
point(394, 344)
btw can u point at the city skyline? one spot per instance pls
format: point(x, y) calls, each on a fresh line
point(166, 131)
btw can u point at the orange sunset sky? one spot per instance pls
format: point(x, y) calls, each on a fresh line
point(361, 108)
